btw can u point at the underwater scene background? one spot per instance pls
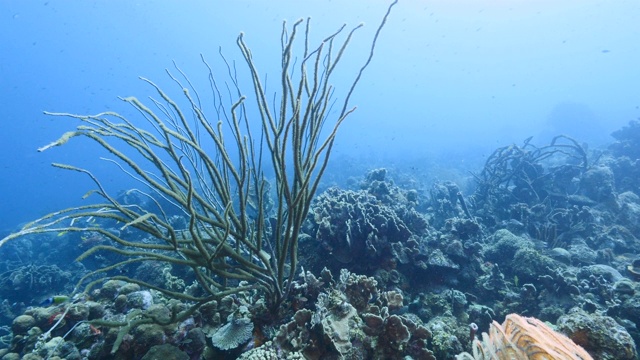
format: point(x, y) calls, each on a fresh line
point(483, 199)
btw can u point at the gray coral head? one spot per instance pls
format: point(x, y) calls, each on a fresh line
point(233, 334)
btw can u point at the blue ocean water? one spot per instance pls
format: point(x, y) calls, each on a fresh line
point(458, 77)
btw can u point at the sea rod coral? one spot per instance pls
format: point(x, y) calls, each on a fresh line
point(213, 174)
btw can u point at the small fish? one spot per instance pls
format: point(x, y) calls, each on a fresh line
point(400, 311)
point(62, 233)
point(54, 300)
point(373, 299)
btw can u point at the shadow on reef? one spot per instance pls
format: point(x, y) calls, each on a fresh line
point(394, 272)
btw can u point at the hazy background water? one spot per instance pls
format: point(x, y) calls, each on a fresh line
point(450, 82)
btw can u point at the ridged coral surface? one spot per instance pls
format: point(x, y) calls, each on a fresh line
point(524, 338)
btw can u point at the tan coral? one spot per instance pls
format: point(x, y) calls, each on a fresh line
point(522, 338)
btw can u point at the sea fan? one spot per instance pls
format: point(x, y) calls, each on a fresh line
point(235, 333)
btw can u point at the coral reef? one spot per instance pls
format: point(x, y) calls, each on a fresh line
point(387, 271)
point(359, 229)
point(601, 335)
point(353, 319)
